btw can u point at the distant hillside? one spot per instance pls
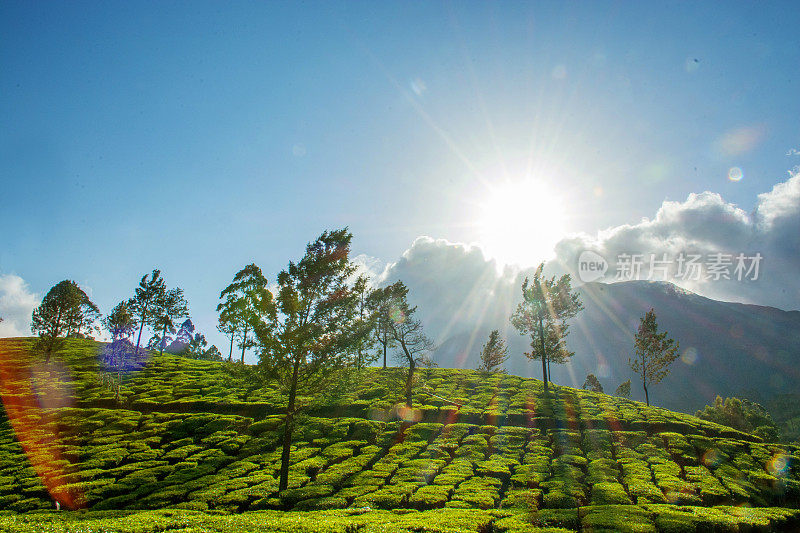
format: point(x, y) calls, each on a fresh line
point(204, 436)
point(728, 348)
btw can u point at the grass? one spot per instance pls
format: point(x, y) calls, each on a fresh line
point(202, 442)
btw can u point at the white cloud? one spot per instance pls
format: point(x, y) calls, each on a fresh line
point(705, 223)
point(16, 305)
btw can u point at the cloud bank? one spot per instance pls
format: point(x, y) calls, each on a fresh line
point(705, 224)
point(17, 303)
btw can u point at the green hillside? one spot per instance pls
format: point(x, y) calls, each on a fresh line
point(200, 439)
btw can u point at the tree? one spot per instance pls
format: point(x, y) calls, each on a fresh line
point(493, 354)
point(245, 303)
point(546, 306)
point(592, 383)
point(120, 323)
point(64, 311)
point(383, 302)
point(412, 343)
point(227, 325)
point(624, 389)
point(311, 330)
point(367, 317)
point(145, 300)
point(170, 306)
point(741, 414)
point(654, 352)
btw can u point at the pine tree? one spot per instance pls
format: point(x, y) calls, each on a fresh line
point(654, 353)
point(245, 303)
point(493, 354)
point(146, 297)
point(546, 306)
point(592, 383)
point(170, 307)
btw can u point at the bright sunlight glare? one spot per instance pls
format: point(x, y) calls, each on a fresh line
point(521, 222)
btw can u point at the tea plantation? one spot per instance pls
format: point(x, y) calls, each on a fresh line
point(194, 446)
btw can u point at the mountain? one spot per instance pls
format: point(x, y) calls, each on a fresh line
point(726, 348)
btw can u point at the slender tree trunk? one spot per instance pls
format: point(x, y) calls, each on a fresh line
point(549, 376)
point(288, 427)
point(163, 340)
point(244, 342)
point(410, 382)
point(544, 355)
point(141, 327)
point(646, 395)
point(230, 353)
point(384, 355)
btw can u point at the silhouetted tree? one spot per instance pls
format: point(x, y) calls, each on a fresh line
point(411, 342)
point(654, 353)
point(150, 291)
point(592, 383)
point(493, 354)
point(367, 318)
point(64, 311)
point(383, 302)
point(245, 303)
point(546, 306)
point(312, 329)
point(624, 389)
point(170, 307)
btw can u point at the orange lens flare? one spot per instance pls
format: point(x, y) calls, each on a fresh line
point(27, 393)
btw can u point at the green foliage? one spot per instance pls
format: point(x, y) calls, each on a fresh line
point(547, 305)
point(493, 354)
point(572, 448)
point(654, 352)
point(65, 311)
point(624, 389)
point(592, 383)
point(741, 414)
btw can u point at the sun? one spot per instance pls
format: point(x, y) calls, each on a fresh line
point(521, 222)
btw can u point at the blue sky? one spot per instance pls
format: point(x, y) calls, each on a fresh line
point(199, 137)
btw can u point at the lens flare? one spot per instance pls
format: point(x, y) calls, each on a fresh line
point(778, 465)
point(689, 356)
point(397, 315)
point(28, 393)
point(735, 174)
point(712, 458)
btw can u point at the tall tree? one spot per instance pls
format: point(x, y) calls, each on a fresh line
point(592, 383)
point(150, 291)
point(246, 301)
point(546, 306)
point(227, 324)
point(384, 303)
point(169, 307)
point(367, 318)
point(654, 352)
point(493, 354)
point(64, 310)
point(121, 324)
point(312, 329)
point(411, 341)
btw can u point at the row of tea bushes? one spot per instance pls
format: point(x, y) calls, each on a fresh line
point(114, 458)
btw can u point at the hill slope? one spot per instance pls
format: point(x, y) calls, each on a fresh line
point(509, 449)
